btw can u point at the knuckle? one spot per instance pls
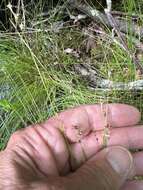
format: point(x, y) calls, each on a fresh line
point(14, 138)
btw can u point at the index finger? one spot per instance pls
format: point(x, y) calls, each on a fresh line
point(80, 121)
point(117, 115)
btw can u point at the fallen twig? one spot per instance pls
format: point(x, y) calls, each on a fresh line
point(97, 82)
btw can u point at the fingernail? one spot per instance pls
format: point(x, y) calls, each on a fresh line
point(120, 160)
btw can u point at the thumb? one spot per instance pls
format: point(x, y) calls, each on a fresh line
point(108, 170)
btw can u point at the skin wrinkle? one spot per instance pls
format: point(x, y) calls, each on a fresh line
point(96, 113)
point(58, 136)
point(37, 131)
point(63, 168)
point(69, 159)
point(67, 162)
point(22, 160)
point(40, 137)
point(89, 122)
point(89, 118)
point(26, 139)
point(54, 121)
point(35, 149)
point(37, 128)
point(76, 164)
point(128, 139)
point(14, 177)
point(31, 157)
point(17, 153)
point(47, 131)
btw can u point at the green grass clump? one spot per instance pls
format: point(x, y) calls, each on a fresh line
point(37, 80)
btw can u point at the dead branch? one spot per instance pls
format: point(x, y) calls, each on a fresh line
point(97, 82)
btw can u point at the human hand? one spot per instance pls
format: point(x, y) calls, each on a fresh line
point(43, 156)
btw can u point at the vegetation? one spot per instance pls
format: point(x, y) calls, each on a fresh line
point(37, 58)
